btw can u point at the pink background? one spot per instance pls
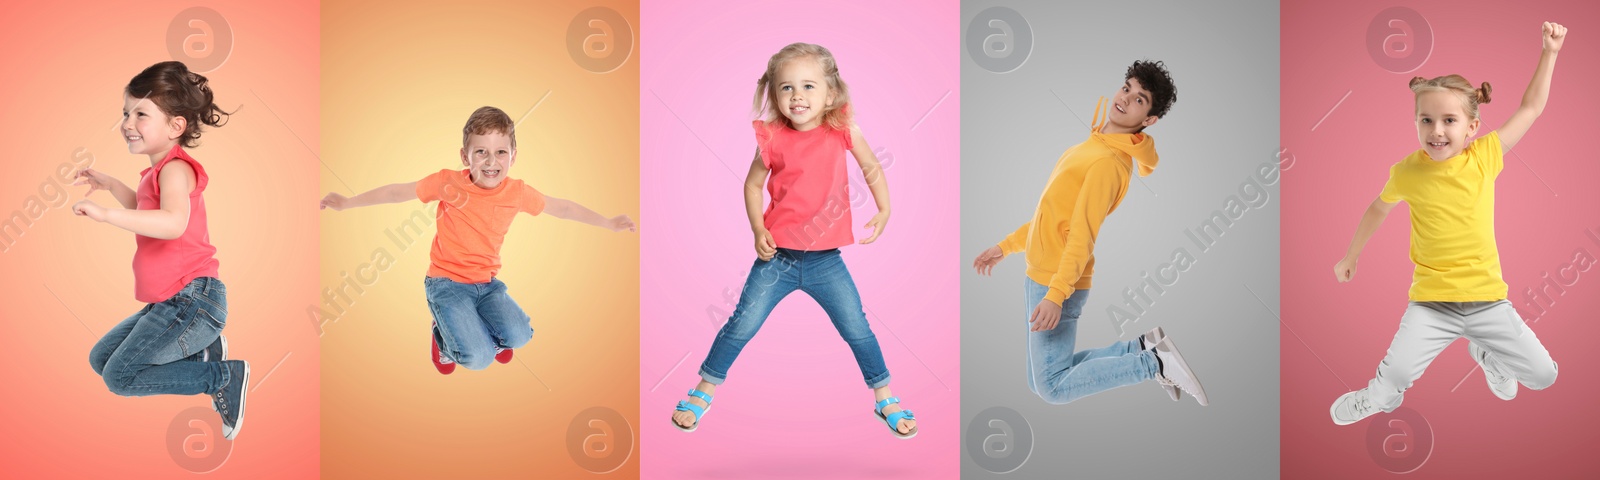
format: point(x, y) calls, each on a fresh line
point(1545, 204)
point(794, 405)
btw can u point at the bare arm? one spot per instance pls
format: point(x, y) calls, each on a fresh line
point(1345, 270)
point(753, 199)
point(570, 210)
point(1538, 93)
point(396, 193)
point(877, 183)
point(167, 222)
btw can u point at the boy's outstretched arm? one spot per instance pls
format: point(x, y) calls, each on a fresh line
point(877, 183)
point(396, 193)
point(1538, 93)
point(1345, 270)
point(570, 210)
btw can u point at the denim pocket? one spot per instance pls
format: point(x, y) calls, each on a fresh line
point(216, 298)
point(217, 320)
point(174, 310)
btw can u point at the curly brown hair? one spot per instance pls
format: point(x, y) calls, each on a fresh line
point(179, 93)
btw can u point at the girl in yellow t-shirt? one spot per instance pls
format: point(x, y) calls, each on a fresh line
point(1456, 290)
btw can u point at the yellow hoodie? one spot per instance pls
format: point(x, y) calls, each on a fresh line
point(1087, 183)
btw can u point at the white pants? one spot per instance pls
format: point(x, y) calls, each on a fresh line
point(1428, 327)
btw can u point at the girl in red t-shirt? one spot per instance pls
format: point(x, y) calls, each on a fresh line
point(800, 159)
point(174, 344)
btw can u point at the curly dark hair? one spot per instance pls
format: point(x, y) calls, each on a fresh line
point(1154, 78)
point(179, 93)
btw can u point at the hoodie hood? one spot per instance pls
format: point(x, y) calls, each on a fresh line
point(1141, 146)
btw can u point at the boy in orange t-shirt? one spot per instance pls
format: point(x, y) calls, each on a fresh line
point(474, 319)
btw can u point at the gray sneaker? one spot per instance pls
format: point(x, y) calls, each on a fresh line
point(1501, 384)
point(1175, 371)
point(1149, 341)
point(229, 400)
point(1352, 407)
point(215, 352)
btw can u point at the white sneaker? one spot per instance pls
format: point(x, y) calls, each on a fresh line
point(1501, 384)
point(1352, 407)
point(1175, 371)
point(1150, 339)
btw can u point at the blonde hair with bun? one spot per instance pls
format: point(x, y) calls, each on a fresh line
point(1470, 97)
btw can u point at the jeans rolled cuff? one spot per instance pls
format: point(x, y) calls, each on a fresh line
point(880, 382)
point(711, 378)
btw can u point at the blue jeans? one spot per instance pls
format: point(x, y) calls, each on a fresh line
point(823, 276)
point(474, 319)
point(1059, 375)
point(156, 351)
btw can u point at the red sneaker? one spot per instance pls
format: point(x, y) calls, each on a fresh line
point(502, 355)
point(440, 362)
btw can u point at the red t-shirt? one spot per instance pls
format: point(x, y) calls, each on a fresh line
point(161, 268)
point(810, 206)
point(472, 222)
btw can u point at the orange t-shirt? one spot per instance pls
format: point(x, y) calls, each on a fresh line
point(472, 222)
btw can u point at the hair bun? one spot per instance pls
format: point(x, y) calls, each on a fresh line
point(1483, 93)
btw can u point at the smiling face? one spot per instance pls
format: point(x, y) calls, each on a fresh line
point(1130, 108)
point(1443, 125)
point(147, 129)
point(801, 88)
point(488, 157)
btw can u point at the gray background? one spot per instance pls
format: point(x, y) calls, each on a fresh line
point(1221, 311)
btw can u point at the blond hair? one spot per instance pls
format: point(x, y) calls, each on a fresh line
point(836, 115)
point(1470, 97)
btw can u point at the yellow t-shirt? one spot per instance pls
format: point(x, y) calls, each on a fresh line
point(1452, 222)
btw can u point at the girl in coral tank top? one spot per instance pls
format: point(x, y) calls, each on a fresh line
point(174, 345)
point(800, 159)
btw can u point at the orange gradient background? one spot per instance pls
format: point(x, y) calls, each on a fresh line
point(67, 279)
point(400, 80)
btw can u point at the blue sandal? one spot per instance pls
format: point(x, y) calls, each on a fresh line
point(698, 411)
point(893, 419)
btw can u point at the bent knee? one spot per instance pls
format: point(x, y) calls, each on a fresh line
point(474, 361)
point(858, 338)
point(519, 338)
point(1541, 378)
point(118, 384)
point(98, 364)
point(1055, 398)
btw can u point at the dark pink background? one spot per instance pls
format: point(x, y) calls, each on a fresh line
point(1546, 202)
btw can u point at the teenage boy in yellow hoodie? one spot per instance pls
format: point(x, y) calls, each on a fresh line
point(1086, 185)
